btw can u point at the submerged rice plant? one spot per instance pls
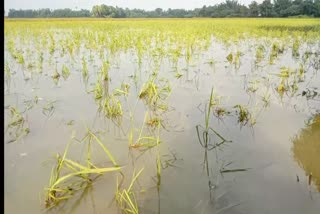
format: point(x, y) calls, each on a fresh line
point(68, 176)
point(204, 136)
point(126, 197)
point(65, 72)
point(17, 125)
point(154, 93)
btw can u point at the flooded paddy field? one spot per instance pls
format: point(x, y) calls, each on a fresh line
point(162, 116)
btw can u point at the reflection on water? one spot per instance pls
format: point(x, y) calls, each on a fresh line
point(306, 149)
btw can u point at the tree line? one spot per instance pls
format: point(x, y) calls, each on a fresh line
point(229, 8)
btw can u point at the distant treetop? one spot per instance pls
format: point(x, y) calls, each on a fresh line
point(229, 8)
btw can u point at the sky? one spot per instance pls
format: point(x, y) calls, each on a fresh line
point(87, 4)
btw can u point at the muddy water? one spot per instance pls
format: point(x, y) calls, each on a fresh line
point(263, 171)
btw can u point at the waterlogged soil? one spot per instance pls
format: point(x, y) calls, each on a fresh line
point(267, 168)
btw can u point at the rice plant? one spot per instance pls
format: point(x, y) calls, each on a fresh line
point(68, 176)
point(126, 197)
point(143, 140)
point(112, 109)
point(154, 93)
point(17, 125)
point(85, 72)
point(56, 76)
point(204, 137)
point(65, 72)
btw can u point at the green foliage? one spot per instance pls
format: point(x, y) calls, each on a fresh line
point(229, 8)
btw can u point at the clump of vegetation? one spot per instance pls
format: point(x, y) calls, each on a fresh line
point(98, 91)
point(234, 58)
point(55, 76)
point(52, 46)
point(85, 71)
point(253, 86)
point(68, 176)
point(40, 61)
point(204, 139)
point(145, 141)
point(284, 72)
point(295, 48)
point(17, 125)
point(220, 112)
point(65, 72)
point(230, 58)
point(154, 93)
point(266, 99)
point(126, 198)
point(19, 57)
point(237, 59)
point(178, 75)
point(155, 122)
point(286, 75)
point(276, 49)
point(244, 116)
point(216, 108)
point(301, 73)
point(104, 73)
point(7, 73)
point(123, 90)
point(282, 87)
point(112, 109)
point(260, 52)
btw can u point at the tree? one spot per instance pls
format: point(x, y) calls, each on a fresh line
point(254, 9)
point(44, 12)
point(317, 7)
point(96, 11)
point(293, 10)
point(280, 7)
point(309, 8)
point(266, 8)
point(159, 12)
point(202, 11)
